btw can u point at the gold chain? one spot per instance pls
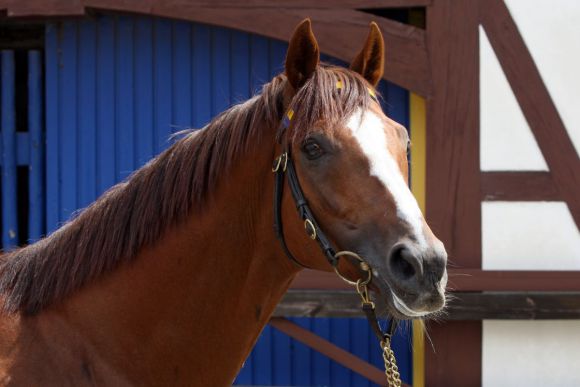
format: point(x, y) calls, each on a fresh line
point(391, 369)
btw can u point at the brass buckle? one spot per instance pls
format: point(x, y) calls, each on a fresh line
point(363, 292)
point(279, 163)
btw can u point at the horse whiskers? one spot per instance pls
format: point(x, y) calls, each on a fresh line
point(428, 336)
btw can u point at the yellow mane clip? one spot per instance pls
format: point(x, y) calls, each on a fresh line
point(373, 94)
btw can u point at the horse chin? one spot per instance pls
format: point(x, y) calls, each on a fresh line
point(389, 305)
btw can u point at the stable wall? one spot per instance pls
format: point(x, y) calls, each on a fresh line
point(530, 235)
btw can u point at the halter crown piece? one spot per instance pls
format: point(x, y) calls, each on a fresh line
point(282, 165)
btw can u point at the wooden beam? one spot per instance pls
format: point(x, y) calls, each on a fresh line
point(465, 280)
point(518, 186)
point(330, 350)
point(535, 102)
point(340, 31)
point(454, 356)
point(33, 8)
point(67, 7)
point(513, 306)
point(515, 280)
point(453, 195)
point(290, 4)
point(461, 305)
point(321, 4)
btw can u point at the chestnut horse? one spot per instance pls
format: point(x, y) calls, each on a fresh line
point(170, 276)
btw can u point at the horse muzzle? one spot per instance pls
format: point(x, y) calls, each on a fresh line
point(416, 279)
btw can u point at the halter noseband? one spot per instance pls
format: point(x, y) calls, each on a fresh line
point(283, 164)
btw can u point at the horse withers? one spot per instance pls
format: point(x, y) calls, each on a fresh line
point(169, 277)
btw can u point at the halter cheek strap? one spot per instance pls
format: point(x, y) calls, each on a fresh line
point(284, 164)
point(280, 166)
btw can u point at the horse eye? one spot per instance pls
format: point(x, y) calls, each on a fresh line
point(312, 149)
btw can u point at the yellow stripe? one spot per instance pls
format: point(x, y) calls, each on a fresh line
point(339, 84)
point(418, 148)
point(290, 114)
point(418, 128)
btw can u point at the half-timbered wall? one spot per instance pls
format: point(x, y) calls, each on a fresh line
point(526, 235)
point(530, 235)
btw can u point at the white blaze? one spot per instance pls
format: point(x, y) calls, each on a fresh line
point(370, 135)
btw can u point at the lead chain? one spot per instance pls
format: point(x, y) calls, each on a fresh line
point(391, 369)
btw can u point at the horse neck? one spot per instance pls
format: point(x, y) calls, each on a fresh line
point(192, 306)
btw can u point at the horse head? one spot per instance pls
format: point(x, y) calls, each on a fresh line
point(351, 161)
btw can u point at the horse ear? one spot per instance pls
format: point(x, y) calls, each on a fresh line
point(370, 61)
point(303, 55)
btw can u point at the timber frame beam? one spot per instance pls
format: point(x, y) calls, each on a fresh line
point(330, 350)
point(518, 186)
point(462, 306)
point(467, 280)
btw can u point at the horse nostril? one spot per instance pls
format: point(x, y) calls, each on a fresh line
point(404, 267)
point(404, 264)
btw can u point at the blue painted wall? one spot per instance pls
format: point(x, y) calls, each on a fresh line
point(118, 86)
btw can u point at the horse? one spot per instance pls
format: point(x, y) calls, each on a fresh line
point(170, 276)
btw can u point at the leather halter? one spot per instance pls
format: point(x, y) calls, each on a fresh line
point(282, 165)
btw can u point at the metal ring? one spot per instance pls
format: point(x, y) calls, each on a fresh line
point(310, 229)
point(363, 266)
point(278, 161)
point(276, 164)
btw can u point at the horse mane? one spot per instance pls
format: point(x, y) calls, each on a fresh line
point(135, 213)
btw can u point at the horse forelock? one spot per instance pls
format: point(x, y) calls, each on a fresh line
point(134, 214)
point(321, 106)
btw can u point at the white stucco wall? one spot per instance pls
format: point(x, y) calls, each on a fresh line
point(551, 32)
point(529, 236)
point(531, 353)
point(506, 141)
